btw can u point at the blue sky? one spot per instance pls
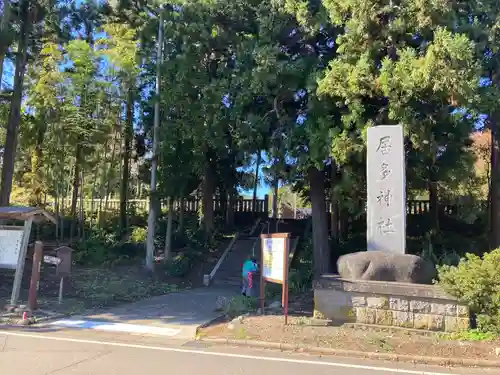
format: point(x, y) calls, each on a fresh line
point(263, 188)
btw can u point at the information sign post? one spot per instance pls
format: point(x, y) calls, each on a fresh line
point(274, 266)
point(14, 240)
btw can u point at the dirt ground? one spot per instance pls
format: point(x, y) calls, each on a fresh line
point(93, 288)
point(299, 330)
point(87, 288)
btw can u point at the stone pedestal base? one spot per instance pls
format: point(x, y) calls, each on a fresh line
point(402, 305)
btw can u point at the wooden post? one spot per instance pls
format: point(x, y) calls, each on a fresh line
point(61, 288)
point(266, 206)
point(35, 275)
point(285, 278)
point(262, 292)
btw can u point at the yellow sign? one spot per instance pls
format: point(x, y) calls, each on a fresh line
point(273, 258)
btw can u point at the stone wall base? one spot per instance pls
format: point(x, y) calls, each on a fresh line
point(403, 305)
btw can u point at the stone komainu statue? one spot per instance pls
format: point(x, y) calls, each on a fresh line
point(382, 266)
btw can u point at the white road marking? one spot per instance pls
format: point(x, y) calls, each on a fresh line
point(116, 327)
point(222, 354)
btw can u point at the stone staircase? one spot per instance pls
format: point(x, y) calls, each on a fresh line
point(295, 227)
point(229, 273)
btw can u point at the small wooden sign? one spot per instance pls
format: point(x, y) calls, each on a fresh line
point(51, 260)
point(64, 268)
point(274, 265)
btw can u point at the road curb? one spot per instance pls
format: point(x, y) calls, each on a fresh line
point(459, 362)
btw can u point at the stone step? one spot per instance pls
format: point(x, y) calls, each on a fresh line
point(226, 275)
point(226, 283)
point(231, 278)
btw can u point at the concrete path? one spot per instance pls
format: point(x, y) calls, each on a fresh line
point(102, 353)
point(176, 315)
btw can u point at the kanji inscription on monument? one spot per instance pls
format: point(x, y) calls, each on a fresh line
point(386, 200)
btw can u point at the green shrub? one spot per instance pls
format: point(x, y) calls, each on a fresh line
point(178, 266)
point(138, 235)
point(103, 248)
point(476, 282)
point(301, 273)
point(240, 305)
point(95, 249)
point(470, 335)
point(182, 263)
point(272, 291)
point(126, 251)
point(445, 257)
point(300, 280)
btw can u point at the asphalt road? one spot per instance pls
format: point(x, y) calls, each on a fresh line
point(81, 352)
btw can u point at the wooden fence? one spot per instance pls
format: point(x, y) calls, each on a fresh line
point(421, 207)
point(191, 205)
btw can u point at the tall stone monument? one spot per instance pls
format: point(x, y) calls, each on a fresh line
point(386, 195)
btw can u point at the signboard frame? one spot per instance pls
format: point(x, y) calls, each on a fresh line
point(21, 256)
point(27, 215)
point(20, 232)
point(284, 281)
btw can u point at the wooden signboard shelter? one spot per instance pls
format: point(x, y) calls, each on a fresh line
point(274, 266)
point(14, 240)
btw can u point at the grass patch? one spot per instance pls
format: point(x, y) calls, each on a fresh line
point(240, 305)
point(470, 335)
point(381, 343)
point(240, 333)
point(302, 321)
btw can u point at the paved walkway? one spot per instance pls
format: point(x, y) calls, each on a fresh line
point(176, 315)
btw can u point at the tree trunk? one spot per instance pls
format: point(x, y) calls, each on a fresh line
point(57, 213)
point(433, 205)
point(222, 199)
point(495, 185)
point(76, 185)
point(99, 213)
point(92, 197)
point(167, 254)
point(127, 149)
point(15, 106)
point(334, 214)
point(433, 189)
point(3, 51)
point(111, 166)
point(275, 197)
point(208, 196)
point(5, 24)
point(256, 183)
point(334, 217)
point(321, 249)
point(37, 165)
point(81, 221)
point(62, 197)
point(181, 214)
point(230, 211)
point(101, 184)
point(343, 224)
